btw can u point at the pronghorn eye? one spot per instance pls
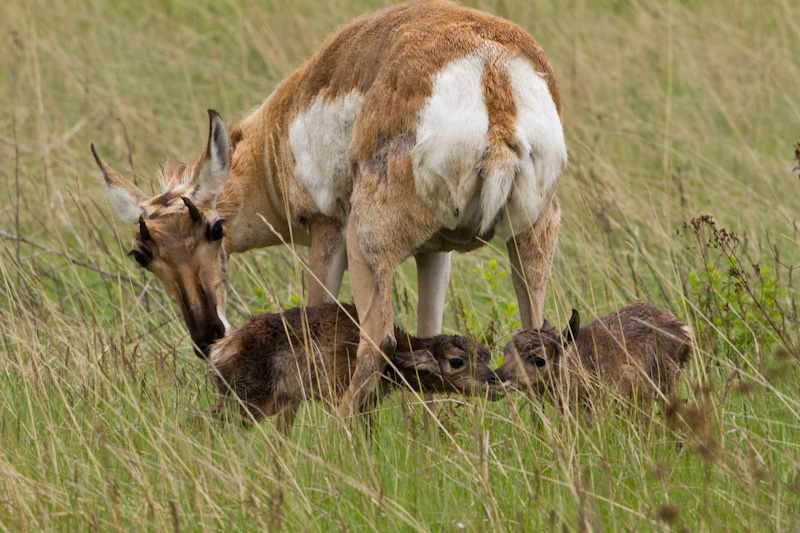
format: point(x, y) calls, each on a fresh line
point(456, 362)
point(139, 257)
point(216, 230)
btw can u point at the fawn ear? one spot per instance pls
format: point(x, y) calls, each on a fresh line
point(419, 360)
point(125, 197)
point(570, 333)
point(216, 163)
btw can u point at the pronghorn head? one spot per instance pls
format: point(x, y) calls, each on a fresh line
point(533, 357)
point(180, 235)
point(451, 364)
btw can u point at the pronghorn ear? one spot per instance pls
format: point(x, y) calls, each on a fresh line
point(420, 360)
point(125, 197)
point(570, 333)
point(216, 163)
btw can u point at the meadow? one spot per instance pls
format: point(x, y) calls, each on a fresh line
point(681, 119)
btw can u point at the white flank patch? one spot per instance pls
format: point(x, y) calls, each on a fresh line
point(320, 138)
point(451, 139)
point(541, 140)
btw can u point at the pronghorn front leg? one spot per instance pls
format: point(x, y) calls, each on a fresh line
point(531, 254)
point(327, 261)
point(433, 275)
point(372, 295)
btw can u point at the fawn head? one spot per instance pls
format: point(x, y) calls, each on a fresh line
point(451, 364)
point(532, 356)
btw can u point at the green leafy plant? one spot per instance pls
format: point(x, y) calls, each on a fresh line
point(744, 301)
point(266, 305)
point(502, 314)
point(741, 314)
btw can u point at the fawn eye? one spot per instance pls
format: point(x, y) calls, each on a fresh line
point(216, 230)
point(139, 257)
point(538, 361)
point(456, 362)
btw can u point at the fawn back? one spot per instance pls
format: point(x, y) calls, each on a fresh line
point(277, 361)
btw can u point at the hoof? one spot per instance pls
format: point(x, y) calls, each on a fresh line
point(388, 345)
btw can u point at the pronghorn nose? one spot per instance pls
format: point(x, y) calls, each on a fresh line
point(204, 338)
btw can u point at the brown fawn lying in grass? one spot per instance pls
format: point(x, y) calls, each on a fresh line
point(277, 361)
point(635, 351)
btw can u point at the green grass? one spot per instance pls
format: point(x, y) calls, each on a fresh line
point(672, 110)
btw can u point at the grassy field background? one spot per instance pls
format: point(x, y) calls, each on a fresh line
point(673, 110)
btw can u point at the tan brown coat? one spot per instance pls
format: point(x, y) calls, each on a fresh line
point(420, 129)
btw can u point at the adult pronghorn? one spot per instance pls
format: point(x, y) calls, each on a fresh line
point(413, 131)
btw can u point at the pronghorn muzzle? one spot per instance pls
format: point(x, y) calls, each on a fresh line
point(204, 324)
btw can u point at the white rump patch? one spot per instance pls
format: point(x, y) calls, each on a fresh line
point(452, 146)
point(320, 137)
point(451, 139)
point(540, 138)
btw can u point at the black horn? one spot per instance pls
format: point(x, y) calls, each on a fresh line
point(143, 233)
point(193, 211)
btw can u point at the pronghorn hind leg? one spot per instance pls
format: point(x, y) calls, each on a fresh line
point(433, 276)
point(327, 260)
point(531, 255)
point(372, 296)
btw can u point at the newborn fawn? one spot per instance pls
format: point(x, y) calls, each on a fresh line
point(275, 362)
point(636, 350)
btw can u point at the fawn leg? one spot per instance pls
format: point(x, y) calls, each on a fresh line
point(286, 418)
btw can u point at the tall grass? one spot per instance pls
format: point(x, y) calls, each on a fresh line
point(672, 110)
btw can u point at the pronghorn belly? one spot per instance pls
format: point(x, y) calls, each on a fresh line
point(466, 236)
point(443, 242)
point(319, 137)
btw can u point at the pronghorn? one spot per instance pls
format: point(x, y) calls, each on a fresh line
point(417, 130)
point(275, 362)
point(637, 350)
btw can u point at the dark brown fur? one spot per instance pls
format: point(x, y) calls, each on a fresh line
point(636, 350)
point(266, 362)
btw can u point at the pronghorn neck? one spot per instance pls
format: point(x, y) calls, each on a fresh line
point(251, 190)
